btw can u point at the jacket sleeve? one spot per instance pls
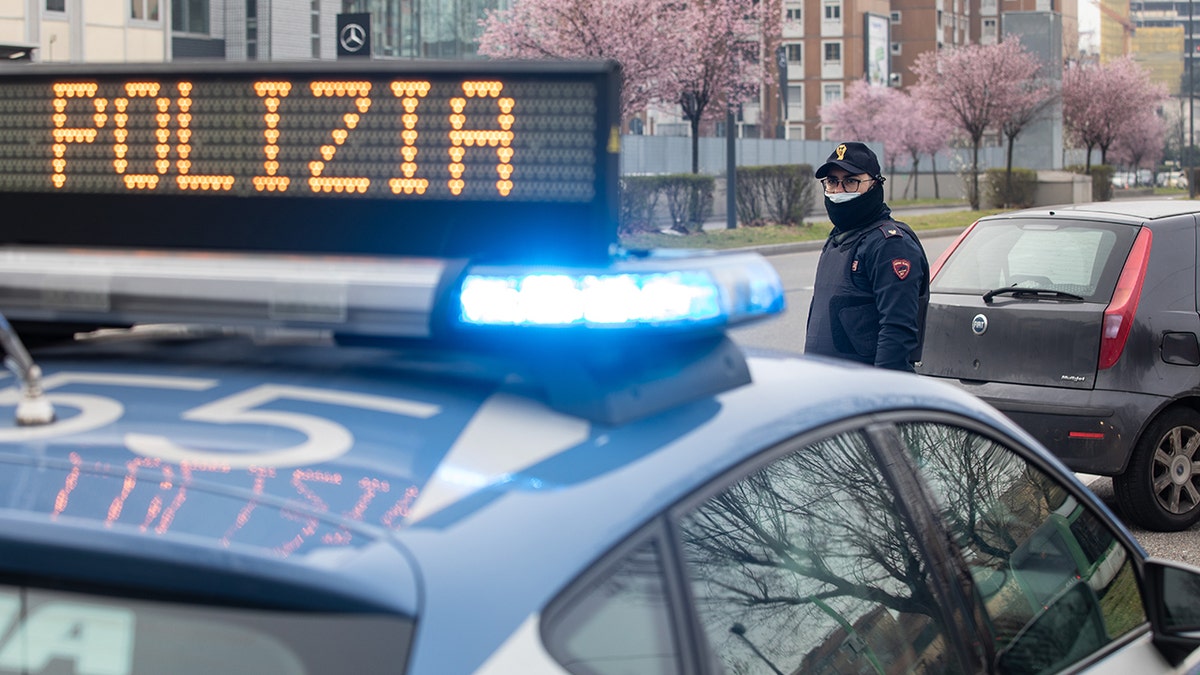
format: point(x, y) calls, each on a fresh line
point(897, 267)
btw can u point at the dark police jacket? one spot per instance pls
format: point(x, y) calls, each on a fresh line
point(870, 296)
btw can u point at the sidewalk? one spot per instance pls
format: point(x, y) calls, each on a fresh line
point(817, 216)
point(815, 245)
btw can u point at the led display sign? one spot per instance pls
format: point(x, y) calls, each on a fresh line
point(463, 159)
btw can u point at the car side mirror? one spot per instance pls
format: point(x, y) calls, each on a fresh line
point(1173, 603)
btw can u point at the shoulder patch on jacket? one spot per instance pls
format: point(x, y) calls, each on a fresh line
point(891, 230)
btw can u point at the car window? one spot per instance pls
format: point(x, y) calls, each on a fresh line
point(807, 565)
point(1083, 259)
point(45, 631)
point(618, 623)
point(1054, 580)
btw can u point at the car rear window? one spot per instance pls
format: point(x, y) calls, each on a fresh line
point(1083, 258)
point(45, 631)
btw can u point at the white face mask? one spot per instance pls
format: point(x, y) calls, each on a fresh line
point(842, 197)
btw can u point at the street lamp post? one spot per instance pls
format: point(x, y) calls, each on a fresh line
point(740, 631)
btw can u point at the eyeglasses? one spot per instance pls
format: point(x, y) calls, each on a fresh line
point(848, 184)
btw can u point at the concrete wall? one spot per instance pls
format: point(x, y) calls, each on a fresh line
point(648, 155)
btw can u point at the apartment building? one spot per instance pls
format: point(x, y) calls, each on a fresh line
point(98, 31)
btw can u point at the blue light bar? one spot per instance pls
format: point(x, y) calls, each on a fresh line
point(665, 289)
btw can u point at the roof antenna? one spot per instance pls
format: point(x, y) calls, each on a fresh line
point(33, 408)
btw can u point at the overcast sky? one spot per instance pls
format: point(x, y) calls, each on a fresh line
point(1089, 26)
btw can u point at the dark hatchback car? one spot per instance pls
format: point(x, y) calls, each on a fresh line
point(1080, 323)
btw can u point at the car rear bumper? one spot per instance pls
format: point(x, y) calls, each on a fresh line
point(1091, 431)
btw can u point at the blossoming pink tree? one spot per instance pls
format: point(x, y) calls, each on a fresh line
point(973, 86)
point(920, 131)
point(1030, 102)
point(903, 125)
point(1100, 101)
point(719, 65)
point(693, 54)
point(1141, 141)
point(644, 36)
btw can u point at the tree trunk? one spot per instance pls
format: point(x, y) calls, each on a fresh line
point(695, 124)
point(916, 176)
point(1008, 170)
point(937, 190)
point(973, 193)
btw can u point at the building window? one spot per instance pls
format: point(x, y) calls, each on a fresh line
point(316, 29)
point(939, 19)
point(794, 14)
point(252, 30)
point(143, 10)
point(189, 16)
point(895, 47)
point(895, 17)
point(56, 5)
point(832, 92)
point(833, 53)
point(795, 101)
point(833, 12)
point(795, 54)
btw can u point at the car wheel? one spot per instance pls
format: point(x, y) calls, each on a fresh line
point(1160, 489)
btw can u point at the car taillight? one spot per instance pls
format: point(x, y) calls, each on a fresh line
point(946, 254)
point(1118, 316)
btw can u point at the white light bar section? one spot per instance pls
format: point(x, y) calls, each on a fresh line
point(359, 295)
point(667, 289)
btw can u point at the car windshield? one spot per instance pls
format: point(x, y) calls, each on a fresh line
point(52, 631)
point(1078, 258)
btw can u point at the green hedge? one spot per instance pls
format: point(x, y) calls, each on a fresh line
point(1001, 191)
point(689, 201)
point(775, 195)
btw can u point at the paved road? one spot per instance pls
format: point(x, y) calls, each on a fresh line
point(797, 269)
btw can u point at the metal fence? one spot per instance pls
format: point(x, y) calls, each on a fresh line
point(649, 155)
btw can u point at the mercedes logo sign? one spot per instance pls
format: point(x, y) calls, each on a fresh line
point(979, 324)
point(353, 37)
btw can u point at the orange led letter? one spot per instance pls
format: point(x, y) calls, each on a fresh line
point(361, 92)
point(187, 180)
point(270, 93)
point(410, 95)
point(62, 133)
point(140, 181)
point(500, 139)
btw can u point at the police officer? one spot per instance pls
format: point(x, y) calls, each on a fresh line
point(872, 285)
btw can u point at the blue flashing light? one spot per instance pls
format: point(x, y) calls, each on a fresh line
point(664, 290)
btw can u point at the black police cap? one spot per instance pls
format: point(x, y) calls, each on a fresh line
point(853, 157)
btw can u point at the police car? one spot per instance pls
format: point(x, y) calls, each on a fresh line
point(317, 370)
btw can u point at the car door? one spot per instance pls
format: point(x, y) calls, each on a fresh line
point(911, 543)
point(814, 562)
point(805, 559)
point(1056, 577)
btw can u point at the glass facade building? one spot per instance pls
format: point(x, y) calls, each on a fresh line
point(432, 29)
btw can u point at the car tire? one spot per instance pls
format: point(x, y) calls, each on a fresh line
point(1160, 489)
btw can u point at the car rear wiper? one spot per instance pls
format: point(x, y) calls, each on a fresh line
point(1018, 292)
